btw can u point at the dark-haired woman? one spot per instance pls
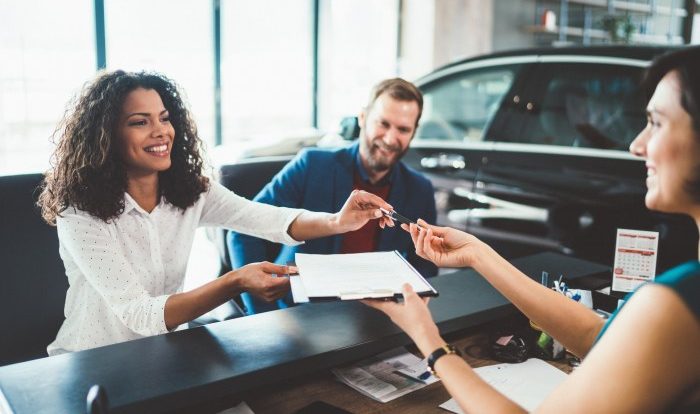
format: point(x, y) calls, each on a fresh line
point(646, 358)
point(127, 193)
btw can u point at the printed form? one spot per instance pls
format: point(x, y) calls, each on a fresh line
point(355, 276)
point(527, 383)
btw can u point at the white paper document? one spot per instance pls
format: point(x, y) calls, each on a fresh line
point(635, 259)
point(386, 376)
point(354, 276)
point(527, 383)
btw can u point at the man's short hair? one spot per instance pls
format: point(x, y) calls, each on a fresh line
point(399, 89)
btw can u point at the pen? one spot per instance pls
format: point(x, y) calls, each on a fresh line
point(396, 216)
point(424, 376)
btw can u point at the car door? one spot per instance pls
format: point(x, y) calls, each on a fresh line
point(560, 152)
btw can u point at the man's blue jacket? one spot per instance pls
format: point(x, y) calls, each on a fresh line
point(321, 180)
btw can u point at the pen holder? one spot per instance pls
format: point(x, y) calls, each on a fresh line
point(544, 346)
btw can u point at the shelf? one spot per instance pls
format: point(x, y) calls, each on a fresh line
point(656, 39)
point(646, 8)
point(657, 21)
point(603, 35)
point(633, 7)
point(568, 31)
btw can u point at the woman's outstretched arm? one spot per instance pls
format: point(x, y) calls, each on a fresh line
point(359, 208)
point(571, 323)
point(646, 362)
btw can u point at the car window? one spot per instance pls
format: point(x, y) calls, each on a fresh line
point(585, 105)
point(460, 107)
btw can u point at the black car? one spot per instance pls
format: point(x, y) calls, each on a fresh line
point(528, 150)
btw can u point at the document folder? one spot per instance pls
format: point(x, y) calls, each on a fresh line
point(376, 275)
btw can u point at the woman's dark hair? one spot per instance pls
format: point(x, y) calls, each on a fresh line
point(686, 63)
point(87, 169)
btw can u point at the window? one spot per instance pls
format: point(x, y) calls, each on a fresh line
point(459, 108)
point(266, 68)
point(47, 52)
point(586, 105)
point(173, 37)
point(358, 48)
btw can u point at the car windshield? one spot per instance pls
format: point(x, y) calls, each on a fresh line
point(459, 108)
point(584, 105)
point(591, 105)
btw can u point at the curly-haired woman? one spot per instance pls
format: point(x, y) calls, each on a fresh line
point(646, 358)
point(127, 193)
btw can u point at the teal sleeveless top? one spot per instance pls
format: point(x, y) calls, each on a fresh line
point(683, 279)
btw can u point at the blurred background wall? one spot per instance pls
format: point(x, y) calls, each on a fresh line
point(257, 71)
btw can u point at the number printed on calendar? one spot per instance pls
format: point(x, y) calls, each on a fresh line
point(635, 259)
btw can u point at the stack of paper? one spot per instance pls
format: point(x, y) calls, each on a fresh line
point(354, 276)
point(386, 376)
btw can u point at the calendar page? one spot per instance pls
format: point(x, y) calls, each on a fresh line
point(635, 259)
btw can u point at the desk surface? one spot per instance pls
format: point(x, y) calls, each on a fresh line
point(291, 395)
point(185, 368)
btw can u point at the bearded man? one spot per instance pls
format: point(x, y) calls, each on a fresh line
point(321, 180)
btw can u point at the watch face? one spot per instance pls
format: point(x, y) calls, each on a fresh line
point(454, 350)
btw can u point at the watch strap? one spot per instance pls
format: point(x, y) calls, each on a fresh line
point(446, 349)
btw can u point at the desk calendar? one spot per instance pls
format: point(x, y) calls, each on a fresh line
point(635, 259)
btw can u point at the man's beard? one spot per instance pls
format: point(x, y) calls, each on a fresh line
point(379, 162)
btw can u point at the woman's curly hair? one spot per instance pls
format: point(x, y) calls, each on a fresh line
point(88, 172)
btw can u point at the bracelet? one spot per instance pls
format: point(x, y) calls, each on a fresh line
point(446, 349)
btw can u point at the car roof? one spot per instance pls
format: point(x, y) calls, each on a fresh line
point(629, 52)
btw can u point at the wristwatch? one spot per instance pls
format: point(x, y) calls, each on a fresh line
point(446, 349)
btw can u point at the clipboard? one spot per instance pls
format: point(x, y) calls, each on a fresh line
point(376, 275)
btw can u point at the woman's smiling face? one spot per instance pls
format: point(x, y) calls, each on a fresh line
point(671, 148)
point(145, 132)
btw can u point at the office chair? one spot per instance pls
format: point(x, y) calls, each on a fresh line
point(246, 178)
point(33, 283)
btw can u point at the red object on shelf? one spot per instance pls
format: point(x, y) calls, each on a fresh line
point(549, 20)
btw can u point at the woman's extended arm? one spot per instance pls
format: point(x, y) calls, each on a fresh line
point(93, 248)
point(572, 324)
point(223, 208)
point(359, 208)
point(472, 393)
point(646, 362)
point(255, 278)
